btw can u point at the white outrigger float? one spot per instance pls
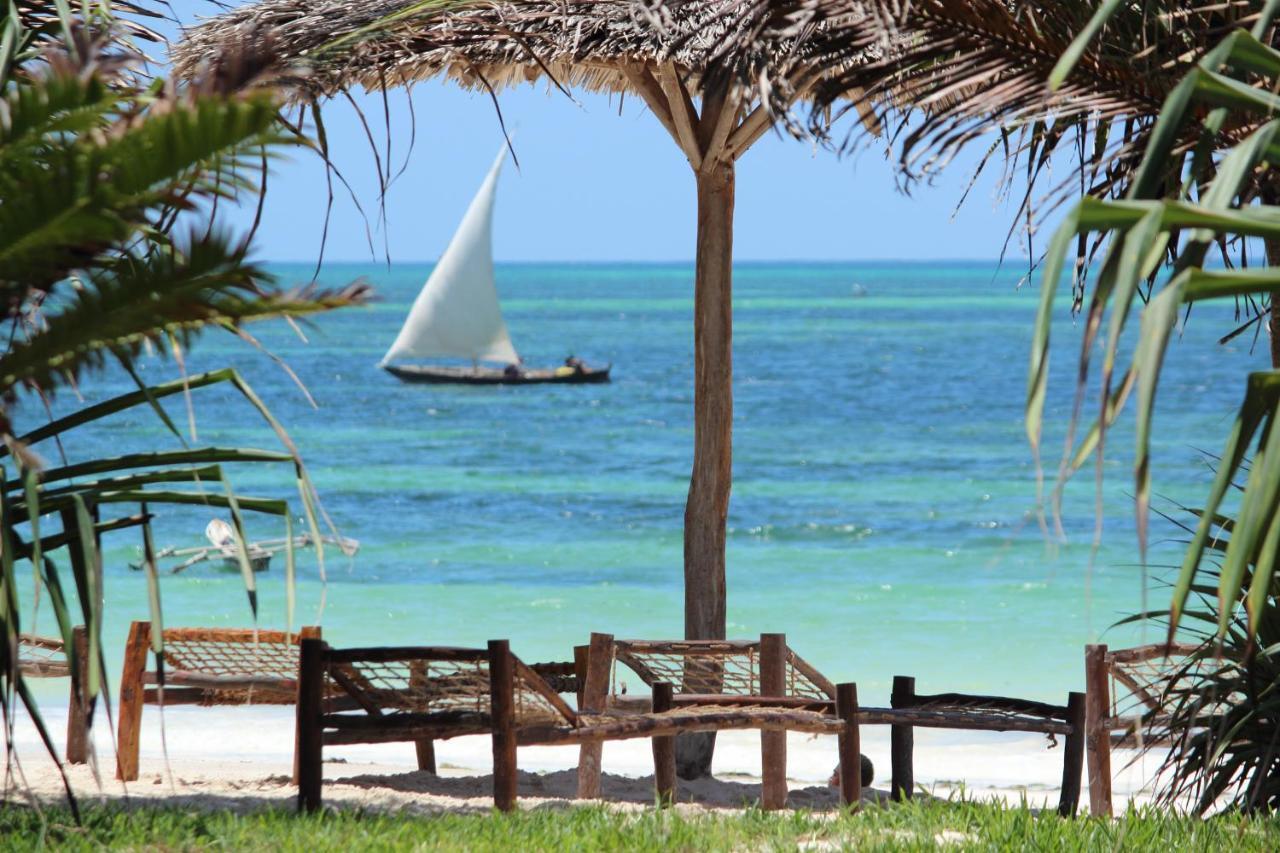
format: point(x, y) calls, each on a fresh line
point(222, 549)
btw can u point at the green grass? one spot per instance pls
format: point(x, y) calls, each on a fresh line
point(960, 825)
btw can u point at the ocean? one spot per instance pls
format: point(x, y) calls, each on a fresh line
point(884, 503)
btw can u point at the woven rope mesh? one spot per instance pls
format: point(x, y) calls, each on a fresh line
point(433, 686)
point(709, 668)
point(237, 657)
point(41, 657)
point(1152, 687)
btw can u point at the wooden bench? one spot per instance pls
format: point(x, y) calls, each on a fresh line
point(708, 673)
point(1126, 704)
point(416, 694)
point(46, 657)
point(963, 711)
point(203, 666)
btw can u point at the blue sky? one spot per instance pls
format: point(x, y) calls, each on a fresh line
point(598, 186)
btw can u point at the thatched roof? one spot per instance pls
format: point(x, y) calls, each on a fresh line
point(587, 43)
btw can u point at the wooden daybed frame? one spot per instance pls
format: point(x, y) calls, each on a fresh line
point(970, 712)
point(1133, 673)
point(203, 666)
point(705, 674)
point(381, 695)
point(707, 670)
point(46, 657)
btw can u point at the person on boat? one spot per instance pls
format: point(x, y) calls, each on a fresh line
point(575, 363)
point(511, 371)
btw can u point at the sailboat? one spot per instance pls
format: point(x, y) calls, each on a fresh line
point(456, 315)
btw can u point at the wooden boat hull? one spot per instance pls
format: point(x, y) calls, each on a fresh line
point(495, 376)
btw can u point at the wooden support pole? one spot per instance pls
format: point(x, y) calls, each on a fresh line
point(1097, 738)
point(850, 745)
point(306, 632)
point(682, 113)
point(707, 506)
point(902, 741)
point(129, 726)
point(580, 655)
point(595, 694)
point(1073, 756)
point(502, 686)
point(664, 750)
point(773, 744)
point(424, 747)
point(308, 758)
point(80, 706)
point(643, 82)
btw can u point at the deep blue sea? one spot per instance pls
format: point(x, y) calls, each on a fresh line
point(883, 511)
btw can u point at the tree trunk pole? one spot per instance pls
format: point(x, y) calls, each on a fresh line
point(708, 503)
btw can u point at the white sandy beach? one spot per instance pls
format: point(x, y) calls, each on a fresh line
point(241, 758)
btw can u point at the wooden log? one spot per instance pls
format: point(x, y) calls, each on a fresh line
point(308, 758)
point(246, 636)
point(710, 482)
point(390, 654)
point(682, 112)
point(664, 750)
point(850, 745)
point(961, 719)
point(699, 647)
point(773, 744)
point(595, 692)
point(205, 681)
point(807, 669)
point(1073, 756)
point(306, 632)
point(959, 701)
point(404, 734)
point(902, 741)
point(678, 723)
point(531, 680)
point(502, 683)
point(1152, 651)
point(79, 707)
point(1097, 737)
point(580, 655)
point(424, 747)
point(799, 703)
point(129, 726)
point(175, 696)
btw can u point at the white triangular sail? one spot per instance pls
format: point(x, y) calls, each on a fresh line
point(457, 315)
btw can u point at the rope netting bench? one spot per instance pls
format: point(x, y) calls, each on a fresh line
point(708, 677)
point(46, 657)
point(412, 694)
point(203, 666)
point(971, 712)
point(1127, 704)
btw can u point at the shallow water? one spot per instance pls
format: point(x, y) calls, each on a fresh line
point(883, 505)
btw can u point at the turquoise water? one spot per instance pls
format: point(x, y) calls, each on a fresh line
point(883, 506)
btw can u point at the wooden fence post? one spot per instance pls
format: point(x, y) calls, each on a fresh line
point(902, 741)
point(850, 745)
point(1097, 737)
point(1073, 757)
point(425, 747)
point(79, 706)
point(308, 758)
point(773, 745)
point(580, 656)
point(664, 749)
point(306, 632)
point(595, 694)
point(502, 690)
point(129, 728)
